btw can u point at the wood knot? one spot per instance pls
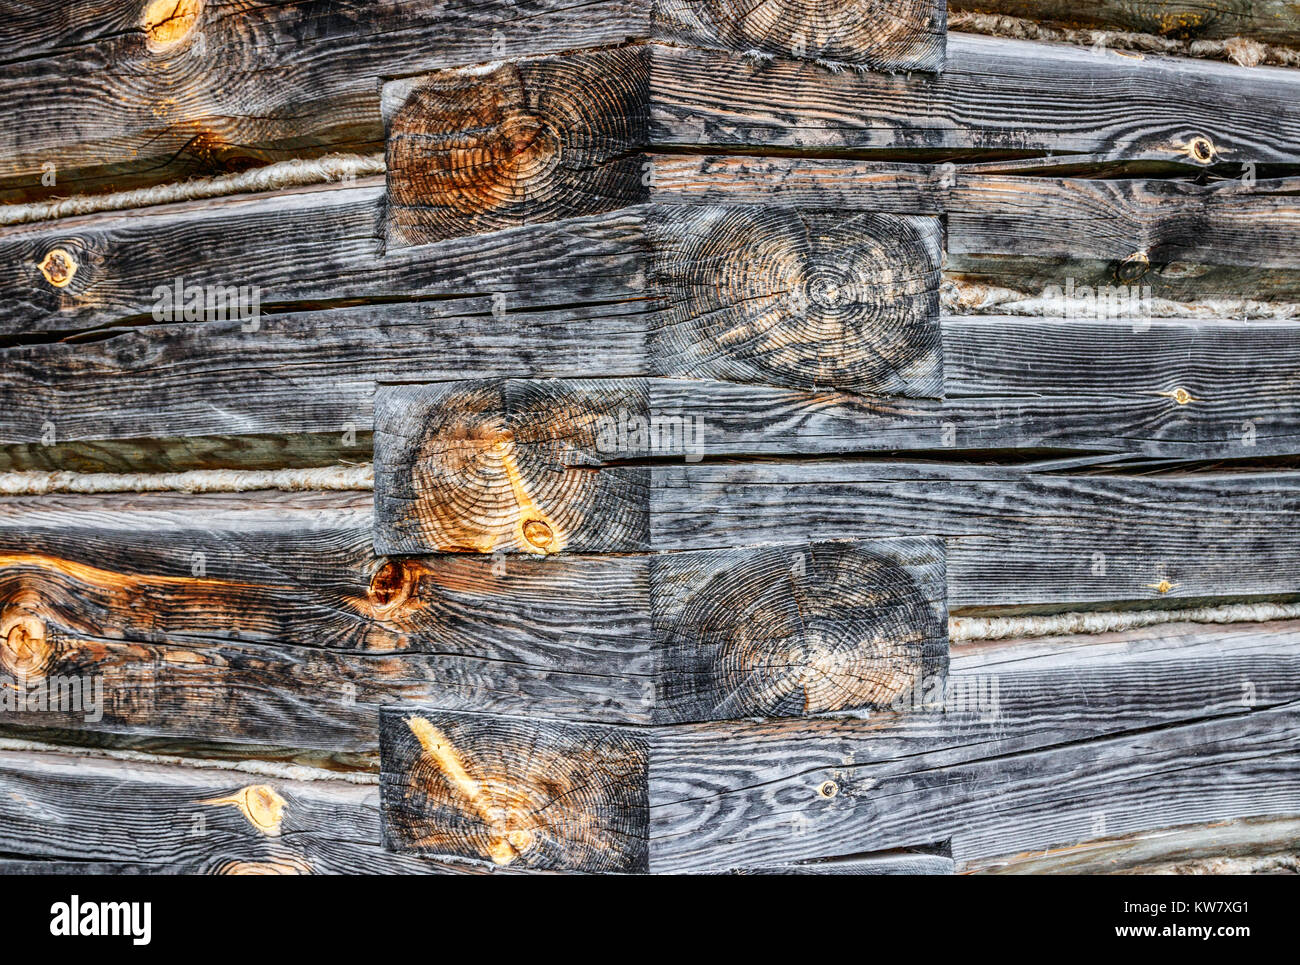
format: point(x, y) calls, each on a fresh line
point(25, 648)
point(58, 266)
point(538, 534)
point(259, 803)
point(1133, 267)
point(1201, 149)
point(393, 584)
point(1180, 395)
point(168, 22)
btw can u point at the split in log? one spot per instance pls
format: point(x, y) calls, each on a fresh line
point(548, 795)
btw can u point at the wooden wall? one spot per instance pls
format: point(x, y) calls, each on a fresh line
point(710, 358)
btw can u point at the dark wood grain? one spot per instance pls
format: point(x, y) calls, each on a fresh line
point(1035, 746)
point(83, 814)
point(797, 631)
point(802, 299)
point(994, 97)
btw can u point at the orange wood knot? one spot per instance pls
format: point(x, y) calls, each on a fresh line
point(828, 789)
point(1164, 586)
point(393, 584)
point(259, 803)
point(538, 533)
point(58, 266)
point(25, 649)
point(1180, 396)
point(167, 22)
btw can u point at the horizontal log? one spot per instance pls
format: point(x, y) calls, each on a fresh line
point(994, 97)
point(1260, 845)
point(1271, 21)
point(291, 249)
point(1171, 223)
point(122, 95)
point(1036, 747)
point(552, 466)
point(278, 619)
point(1010, 383)
point(749, 798)
point(269, 620)
point(321, 246)
point(98, 814)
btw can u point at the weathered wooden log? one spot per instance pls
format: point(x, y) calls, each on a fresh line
point(153, 92)
point(757, 794)
point(317, 249)
point(564, 797)
point(1260, 845)
point(284, 593)
point(477, 150)
point(552, 466)
point(866, 33)
point(160, 91)
point(1272, 21)
point(1010, 383)
point(293, 633)
point(994, 97)
point(542, 139)
point(168, 819)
